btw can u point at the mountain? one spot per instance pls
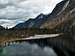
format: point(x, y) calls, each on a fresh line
point(63, 19)
point(57, 9)
point(1, 27)
point(32, 23)
point(25, 24)
point(59, 20)
point(41, 19)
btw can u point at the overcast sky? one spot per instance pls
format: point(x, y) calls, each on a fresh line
point(13, 12)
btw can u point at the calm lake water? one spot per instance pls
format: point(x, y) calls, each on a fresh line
point(26, 49)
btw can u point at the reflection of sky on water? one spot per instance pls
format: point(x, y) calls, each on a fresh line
point(26, 49)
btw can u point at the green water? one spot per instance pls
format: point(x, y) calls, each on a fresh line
point(1, 52)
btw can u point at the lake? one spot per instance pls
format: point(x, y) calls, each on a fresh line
point(26, 49)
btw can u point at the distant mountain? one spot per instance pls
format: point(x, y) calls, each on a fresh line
point(41, 19)
point(33, 23)
point(1, 27)
point(24, 24)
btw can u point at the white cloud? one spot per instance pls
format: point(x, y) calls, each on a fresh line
point(9, 23)
point(24, 9)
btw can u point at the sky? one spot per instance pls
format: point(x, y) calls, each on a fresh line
point(13, 12)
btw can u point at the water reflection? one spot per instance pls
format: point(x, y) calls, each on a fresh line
point(26, 49)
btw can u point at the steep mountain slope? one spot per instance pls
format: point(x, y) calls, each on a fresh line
point(63, 18)
point(58, 8)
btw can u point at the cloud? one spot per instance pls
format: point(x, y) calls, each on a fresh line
point(9, 23)
point(26, 49)
point(25, 9)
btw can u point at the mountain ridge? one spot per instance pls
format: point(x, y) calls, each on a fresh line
point(38, 21)
point(32, 23)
